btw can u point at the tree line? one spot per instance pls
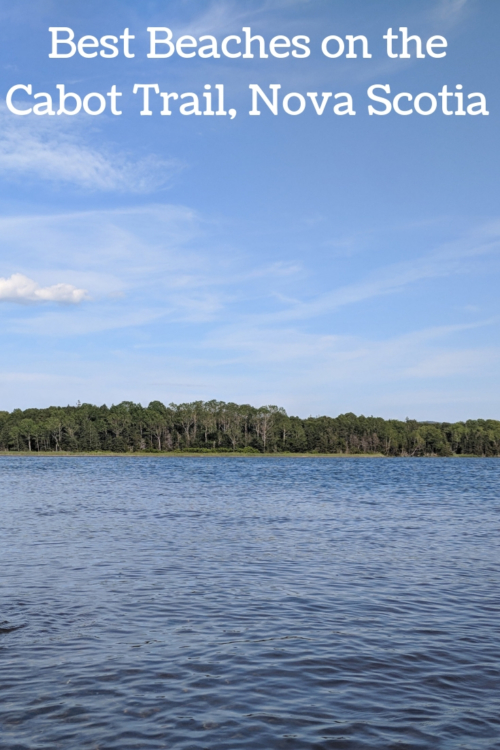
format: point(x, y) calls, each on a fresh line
point(216, 426)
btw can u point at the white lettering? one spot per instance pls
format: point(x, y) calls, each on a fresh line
point(10, 94)
point(56, 41)
point(146, 87)
point(257, 91)
point(154, 42)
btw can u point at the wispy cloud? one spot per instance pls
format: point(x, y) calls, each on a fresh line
point(49, 151)
point(165, 256)
point(97, 320)
point(460, 257)
point(223, 15)
point(21, 289)
point(171, 258)
point(126, 243)
point(450, 11)
point(339, 356)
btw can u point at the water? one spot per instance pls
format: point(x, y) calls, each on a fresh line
point(232, 603)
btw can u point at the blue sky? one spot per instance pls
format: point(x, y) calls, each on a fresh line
point(323, 263)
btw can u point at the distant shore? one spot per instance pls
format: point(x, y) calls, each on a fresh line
point(215, 427)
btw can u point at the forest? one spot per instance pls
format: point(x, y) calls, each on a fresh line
point(219, 427)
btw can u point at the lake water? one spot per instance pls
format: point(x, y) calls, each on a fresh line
point(224, 603)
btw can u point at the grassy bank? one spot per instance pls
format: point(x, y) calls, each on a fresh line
point(184, 454)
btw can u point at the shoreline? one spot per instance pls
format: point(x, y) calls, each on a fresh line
point(181, 454)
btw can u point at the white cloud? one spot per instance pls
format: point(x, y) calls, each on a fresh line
point(19, 288)
point(55, 152)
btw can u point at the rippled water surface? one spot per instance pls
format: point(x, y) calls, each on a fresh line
point(249, 603)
